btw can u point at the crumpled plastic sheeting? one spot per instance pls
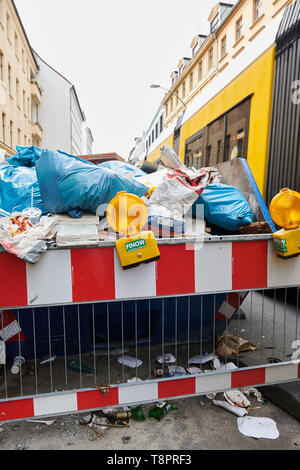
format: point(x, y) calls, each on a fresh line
point(25, 156)
point(31, 243)
point(16, 185)
point(122, 168)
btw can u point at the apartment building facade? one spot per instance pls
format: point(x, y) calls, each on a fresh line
point(232, 28)
point(38, 106)
point(20, 94)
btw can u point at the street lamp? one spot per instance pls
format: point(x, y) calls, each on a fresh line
point(154, 85)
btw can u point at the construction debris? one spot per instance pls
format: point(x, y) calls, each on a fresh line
point(231, 344)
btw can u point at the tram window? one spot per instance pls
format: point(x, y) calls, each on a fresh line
point(194, 152)
point(215, 140)
point(227, 148)
point(225, 138)
point(237, 124)
point(219, 151)
point(208, 154)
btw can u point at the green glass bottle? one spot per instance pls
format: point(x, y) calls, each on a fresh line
point(138, 414)
point(81, 368)
point(159, 412)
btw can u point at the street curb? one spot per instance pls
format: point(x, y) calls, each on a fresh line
point(286, 396)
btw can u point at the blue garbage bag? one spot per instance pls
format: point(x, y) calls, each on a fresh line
point(70, 184)
point(225, 206)
point(25, 156)
point(16, 184)
point(122, 168)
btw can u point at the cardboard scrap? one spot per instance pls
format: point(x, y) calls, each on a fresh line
point(232, 344)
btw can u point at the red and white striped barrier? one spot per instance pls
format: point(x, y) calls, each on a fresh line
point(10, 329)
point(95, 274)
point(230, 305)
point(148, 391)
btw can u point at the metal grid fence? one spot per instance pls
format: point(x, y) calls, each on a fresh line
point(82, 347)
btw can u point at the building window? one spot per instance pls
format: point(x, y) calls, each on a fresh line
point(8, 28)
point(214, 23)
point(167, 109)
point(24, 102)
point(19, 136)
point(1, 66)
point(171, 104)
point(191, 81)
point(153, 136)
point(9, 80)
point(239, 29)
point(156, 130)
point(183, 90)
point(161, 123)
point(210, 58)
point(257, 9)
point(16, 45)
point(11, 134)
point(223, 47)
point(3, 126)
point(200, 70)
point(17, 92)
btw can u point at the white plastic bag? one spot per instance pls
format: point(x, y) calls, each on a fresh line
point(258, 427)
point(130, 361)
point(30, 244)
point(169, 158)
point(166, 359)
point(179, 190)
point(236, 398)
point(238, 411)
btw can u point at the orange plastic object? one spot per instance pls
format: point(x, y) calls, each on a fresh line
point(127, 214)
point(285, 209)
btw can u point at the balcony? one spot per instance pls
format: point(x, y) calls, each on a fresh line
point(37, 130)
point(8, 150)
point(35, 92)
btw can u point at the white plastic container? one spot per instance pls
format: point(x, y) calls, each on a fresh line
point(19, 361)
point(33, 214)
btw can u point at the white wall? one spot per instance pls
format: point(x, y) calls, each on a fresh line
point(54, 112)
point(76, 126)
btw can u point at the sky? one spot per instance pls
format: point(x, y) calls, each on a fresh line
point(112, 51)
